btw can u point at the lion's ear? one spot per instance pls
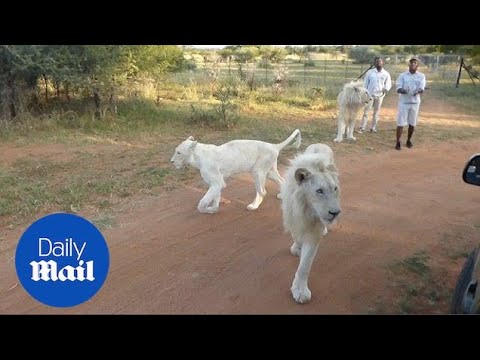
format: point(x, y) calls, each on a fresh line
point(332, 168)
point(301, 175)
point(193, 144)
point(190, 138)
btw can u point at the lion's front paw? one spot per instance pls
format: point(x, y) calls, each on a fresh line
point(296, 249)
point(252, 207)
point(279, 196)
point(301, 295)
point(353, 138)
point(337, 139)
point(209, 210)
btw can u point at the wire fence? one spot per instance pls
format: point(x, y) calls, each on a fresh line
point(328, 74)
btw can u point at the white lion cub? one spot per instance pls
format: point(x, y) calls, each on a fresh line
point(310, 202)
point(219, 162)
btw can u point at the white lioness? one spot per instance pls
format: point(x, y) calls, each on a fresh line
point(351, 100)
point(219, 162)
point(310, 202)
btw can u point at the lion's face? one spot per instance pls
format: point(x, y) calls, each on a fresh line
point(364, 95)
point(322, 192)
point(183, 152)
point(355, 93)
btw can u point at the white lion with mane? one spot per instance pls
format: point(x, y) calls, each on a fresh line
point(310, 202)
point(216, 163)
point(351, 100)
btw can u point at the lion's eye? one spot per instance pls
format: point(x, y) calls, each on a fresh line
point(319, 191)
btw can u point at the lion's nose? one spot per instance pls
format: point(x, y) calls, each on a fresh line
point(334, 213)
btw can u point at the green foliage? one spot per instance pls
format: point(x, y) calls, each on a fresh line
point(97, 71)
point(362, 54)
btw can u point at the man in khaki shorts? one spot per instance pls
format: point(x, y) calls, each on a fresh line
point(378, 82)
point(410, 84)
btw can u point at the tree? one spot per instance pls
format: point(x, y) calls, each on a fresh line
point(362, 54)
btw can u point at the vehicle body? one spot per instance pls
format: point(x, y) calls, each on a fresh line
point(466, 297)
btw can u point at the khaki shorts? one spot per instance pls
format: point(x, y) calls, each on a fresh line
point(407, 114)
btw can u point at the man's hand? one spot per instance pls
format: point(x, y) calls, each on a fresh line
point(402, 91)
point(417, 92)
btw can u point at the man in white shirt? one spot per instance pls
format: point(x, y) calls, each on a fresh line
point(410, 84)
point(378, 82)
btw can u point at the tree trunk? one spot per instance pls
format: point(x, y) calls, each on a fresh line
point(67, 89)
point(96, 99)
point(12, 95)
point(57, 89)
point(113, 106)
point(46, 87)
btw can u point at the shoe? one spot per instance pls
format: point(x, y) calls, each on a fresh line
point(360, 131)
point(409, 144)
point(398, 146)
point(373, 130)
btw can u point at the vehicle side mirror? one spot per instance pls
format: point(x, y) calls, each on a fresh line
point(471, 173)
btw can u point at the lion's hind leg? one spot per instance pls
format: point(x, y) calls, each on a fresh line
point(260, 176)
point(275, 176)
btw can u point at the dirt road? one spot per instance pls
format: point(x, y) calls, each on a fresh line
point(167, 258)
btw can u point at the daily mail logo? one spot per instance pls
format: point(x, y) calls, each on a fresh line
point(49, 270)
point(62, 260)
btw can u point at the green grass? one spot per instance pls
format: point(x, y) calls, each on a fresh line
point(101, 178)
point(420, 287)
point(466, 97)
point(416, 264)
point(104, 222)
point(35, 186)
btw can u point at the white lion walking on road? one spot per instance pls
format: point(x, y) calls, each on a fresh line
point(351, 100)
point(216, 163)
point(310, 202)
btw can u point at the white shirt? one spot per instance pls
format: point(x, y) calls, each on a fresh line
point(375, 81)
point(412, 83)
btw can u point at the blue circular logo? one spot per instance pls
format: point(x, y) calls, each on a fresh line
point(62, 260)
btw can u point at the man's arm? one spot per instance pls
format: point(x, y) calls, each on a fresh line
point(423, 83)
point(400, 89)
point(366, 80)
point(388, 83)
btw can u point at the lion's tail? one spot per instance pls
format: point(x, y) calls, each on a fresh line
point(296, 144)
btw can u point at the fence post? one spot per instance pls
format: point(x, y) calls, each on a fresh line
point(325, 72)
point(304, 72)
point(266, 72)
point(444, 65)
point(459, 71)
point(346, 70)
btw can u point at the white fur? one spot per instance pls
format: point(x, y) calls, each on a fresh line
point(219, 162)
point(310, 202)
point(351, 100)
